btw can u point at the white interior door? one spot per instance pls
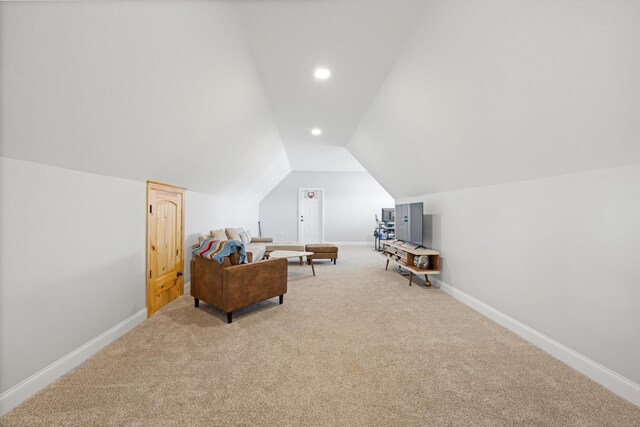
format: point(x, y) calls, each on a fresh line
point(311, 215)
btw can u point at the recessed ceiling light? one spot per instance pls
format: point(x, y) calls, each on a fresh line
point(322, 73)
point(316, 131)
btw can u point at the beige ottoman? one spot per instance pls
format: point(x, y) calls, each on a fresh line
point(323, 251)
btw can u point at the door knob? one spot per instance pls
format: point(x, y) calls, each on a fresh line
point(179, 273)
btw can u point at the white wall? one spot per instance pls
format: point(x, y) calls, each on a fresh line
point(561, 255)
point(72, 259)
point(204, 213)
point(529, 109)
point(103, 96)
point(351, 201)
point(138, 89)
point(495, 91)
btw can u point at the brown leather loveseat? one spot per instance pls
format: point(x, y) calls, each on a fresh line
point(231, 287)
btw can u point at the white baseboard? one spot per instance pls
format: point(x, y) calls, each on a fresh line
point(187, 288)
point(36, 382)
point(602, 375)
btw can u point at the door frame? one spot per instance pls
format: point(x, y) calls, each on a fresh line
point(156, 185)
point(324, 196)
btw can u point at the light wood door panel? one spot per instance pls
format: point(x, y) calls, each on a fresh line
point(165, 237)
point(165, 297)
point(166, 252)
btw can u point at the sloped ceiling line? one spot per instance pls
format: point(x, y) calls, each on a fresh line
point(138, 90)
point(357, 40)
point(487, 94)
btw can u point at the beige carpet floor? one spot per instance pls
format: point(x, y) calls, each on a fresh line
point(353, 346)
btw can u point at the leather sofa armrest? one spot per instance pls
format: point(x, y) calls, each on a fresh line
point(250, 283)
point(261, 239)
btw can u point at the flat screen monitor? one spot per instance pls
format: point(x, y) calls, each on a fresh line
point(388, 215)
point(409, 223)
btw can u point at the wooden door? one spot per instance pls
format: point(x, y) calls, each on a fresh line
point(165, 241)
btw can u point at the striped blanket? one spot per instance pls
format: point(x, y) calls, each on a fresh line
point(217, 250)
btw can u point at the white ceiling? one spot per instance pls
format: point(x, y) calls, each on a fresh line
point(358, 40)
point(488, 93)
point(427, 96)
point(139, 90)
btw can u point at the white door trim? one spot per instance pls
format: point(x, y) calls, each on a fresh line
point(324, 194)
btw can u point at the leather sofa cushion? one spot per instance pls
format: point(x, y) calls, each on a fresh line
point(322, 248)
point(263, 240)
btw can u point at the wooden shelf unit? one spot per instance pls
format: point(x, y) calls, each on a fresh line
point(404, 255)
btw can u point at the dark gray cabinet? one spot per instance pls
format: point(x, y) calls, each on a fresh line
point(409, 222)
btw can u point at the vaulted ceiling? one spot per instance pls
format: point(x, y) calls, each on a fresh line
point(493, 92)
point(139, 90)
point(357, 40)
point(220, 97)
